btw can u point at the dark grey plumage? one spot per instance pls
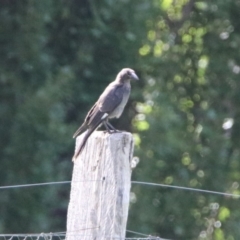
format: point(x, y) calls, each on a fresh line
point(109, 105)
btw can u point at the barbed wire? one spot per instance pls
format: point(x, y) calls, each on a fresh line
point(134, 182)
point(63, 235)
point(50, 236)
point(145, 235)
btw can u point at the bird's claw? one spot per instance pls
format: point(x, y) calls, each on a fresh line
point(112, 131)
point(116, 131)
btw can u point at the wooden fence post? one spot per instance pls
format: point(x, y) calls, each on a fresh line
point(100, 188)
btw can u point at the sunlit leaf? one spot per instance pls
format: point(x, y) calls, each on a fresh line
point(224, 213)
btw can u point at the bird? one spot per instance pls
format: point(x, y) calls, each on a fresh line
point(110, 104)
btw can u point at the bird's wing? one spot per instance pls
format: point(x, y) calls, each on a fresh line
point(84, 141)
point(93, 119)
point(107, 102)
point(111, 98)
point(81, 129)
point(85, 124)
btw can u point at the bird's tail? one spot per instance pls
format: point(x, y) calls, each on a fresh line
point(83, 143)
point(81, 129)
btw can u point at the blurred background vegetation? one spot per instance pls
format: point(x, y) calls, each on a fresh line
point(56, 58)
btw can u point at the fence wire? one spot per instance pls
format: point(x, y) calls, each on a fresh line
point(227, 194)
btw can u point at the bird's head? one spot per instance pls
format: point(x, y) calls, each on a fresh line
point(127, 74)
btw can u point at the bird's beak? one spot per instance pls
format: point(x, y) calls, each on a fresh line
point(134, 76)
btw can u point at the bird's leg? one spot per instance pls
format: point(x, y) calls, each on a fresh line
point(107, 127)
point(111, 126)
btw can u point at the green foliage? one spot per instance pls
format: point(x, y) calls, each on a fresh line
point(192, 86)
point(56, 58)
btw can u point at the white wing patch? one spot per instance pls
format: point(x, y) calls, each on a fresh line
point(104, 116)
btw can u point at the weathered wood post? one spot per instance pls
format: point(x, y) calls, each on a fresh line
point(100, 188)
